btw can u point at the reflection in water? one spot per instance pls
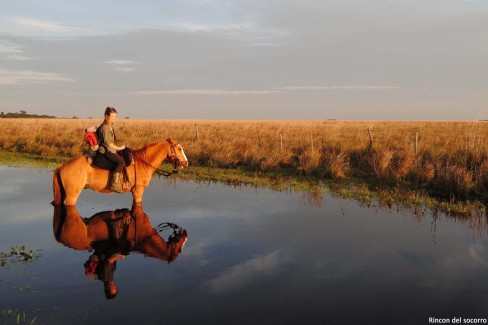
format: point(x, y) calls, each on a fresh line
point(111, 236)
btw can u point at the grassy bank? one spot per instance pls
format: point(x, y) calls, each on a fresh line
point(366, 193)
point(446, 161)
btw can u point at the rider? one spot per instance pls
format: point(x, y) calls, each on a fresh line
point(106, 139)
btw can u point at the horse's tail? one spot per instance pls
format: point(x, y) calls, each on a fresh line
point(58, 190)
point(59, 216)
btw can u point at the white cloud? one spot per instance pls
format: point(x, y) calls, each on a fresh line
point(479, 253)
point(40, 24)
point(9, 47)
point(204, 92)
point(351, 88)
point(122, 65)
point(12, 51)
point(124, 69)
point(121, 62)
point(20, 77)
point(245, 273)
point(230, 28)
point(218, 91)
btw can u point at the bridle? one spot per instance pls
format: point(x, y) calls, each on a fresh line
point(172, 156)
point(173, 239)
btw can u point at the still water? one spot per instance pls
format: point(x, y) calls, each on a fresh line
point(236, 256)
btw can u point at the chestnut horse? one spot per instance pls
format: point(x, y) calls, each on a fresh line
point(78, 233)
point(76, 174)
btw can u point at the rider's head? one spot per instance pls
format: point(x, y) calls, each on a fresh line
point(110, 289)
point(110, 114)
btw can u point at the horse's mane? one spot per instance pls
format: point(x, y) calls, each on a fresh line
point(141, 152)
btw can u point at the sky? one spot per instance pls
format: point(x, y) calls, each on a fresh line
point(246, 59)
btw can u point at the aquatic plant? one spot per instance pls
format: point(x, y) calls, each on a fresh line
point(16, 254)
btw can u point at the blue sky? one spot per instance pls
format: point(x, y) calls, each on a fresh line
point(349, 59)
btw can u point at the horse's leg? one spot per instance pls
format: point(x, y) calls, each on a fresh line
point(137, 194)
point(74, 188)
point(74, 231)
point(72, 194)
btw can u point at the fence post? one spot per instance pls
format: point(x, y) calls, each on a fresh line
point(370, 139)
point(311, 138)
point(196, 132)
point(281, 142)
point(416, 142)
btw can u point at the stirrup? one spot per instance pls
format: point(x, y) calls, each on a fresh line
point(126, 186)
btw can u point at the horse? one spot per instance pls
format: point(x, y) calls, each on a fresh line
point(78, 233)
point(73, 176)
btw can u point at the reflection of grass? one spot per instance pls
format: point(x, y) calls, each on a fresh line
point(372, 193)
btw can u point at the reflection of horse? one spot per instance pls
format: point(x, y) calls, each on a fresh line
point(71, 177)
point(80, 233)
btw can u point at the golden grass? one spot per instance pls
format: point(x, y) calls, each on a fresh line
point(449, 159)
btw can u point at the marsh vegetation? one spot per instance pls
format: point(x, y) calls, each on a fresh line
point(444, 160)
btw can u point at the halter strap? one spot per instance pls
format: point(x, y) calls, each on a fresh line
point(159, 170)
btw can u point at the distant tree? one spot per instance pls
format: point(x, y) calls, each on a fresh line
point(2, 114)
point(75, 117)
point(23, 112)
point(126, 118)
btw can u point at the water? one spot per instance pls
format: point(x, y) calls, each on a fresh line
point(251, 256)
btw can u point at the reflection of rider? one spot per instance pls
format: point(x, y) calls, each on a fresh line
point(111, 235)
point(102, 263)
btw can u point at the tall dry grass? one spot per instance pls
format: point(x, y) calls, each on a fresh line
point(449, 159)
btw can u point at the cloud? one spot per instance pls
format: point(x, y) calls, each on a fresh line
point(40, 24)
point(218, 91)
point(242, 275)
point(228, 28)
point(20, 77)
point(479, 253)
point(124, 69)
point(122, 65)
point(204, 92)
point(12, 51)
point(121, 62)
point(351, 88)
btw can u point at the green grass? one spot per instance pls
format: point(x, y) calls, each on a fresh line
point(15, 159)
point(366, 192)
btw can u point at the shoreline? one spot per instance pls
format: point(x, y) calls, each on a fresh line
point(367, 193)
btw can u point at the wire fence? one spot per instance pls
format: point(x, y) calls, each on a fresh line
point(368, 138)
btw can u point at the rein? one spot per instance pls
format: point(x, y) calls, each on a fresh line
point(158, 170)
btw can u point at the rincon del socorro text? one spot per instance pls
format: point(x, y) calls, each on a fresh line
point(457, 320)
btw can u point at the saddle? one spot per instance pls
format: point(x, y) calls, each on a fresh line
point(101, 162)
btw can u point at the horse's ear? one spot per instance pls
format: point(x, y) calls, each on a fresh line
point(171, 140)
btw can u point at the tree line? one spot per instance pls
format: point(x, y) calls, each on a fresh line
point(23, 114)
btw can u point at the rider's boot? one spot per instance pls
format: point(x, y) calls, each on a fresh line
point(116, 183)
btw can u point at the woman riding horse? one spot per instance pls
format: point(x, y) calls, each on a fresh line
point(73, 176)
point(108, 148)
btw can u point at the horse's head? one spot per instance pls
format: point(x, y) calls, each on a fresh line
point(176, 154)
point(155, 246)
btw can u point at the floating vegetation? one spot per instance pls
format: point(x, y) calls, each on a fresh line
point(17, 316)
point(17, 255)
point(9, 261)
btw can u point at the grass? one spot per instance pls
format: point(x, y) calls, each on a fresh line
point(443, 162)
